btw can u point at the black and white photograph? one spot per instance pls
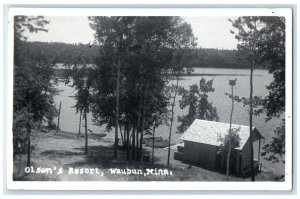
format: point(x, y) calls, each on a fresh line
point(186, 95)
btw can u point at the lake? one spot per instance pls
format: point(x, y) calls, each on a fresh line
point(70, 120)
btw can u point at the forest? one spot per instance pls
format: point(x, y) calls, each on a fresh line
point(202, 57)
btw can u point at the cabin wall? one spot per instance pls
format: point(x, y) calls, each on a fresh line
point(246, 156)
point(200, 154)
point(238, 163)
point(235, 161)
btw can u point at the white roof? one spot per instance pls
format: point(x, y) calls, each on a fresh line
point(209, 132)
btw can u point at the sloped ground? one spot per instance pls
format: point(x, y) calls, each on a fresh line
point(60, 155)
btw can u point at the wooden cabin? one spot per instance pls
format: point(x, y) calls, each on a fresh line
point(203, 147)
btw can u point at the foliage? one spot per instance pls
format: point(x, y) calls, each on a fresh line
point(63, 52)
point(34, 81)
point(199, 107)
point(277, 145)
point(33, 24)
point(268, 51)
point(79, 75)
point(200, 57)
point(21, 119)
point(232, 136)
point(248, 36)
point(148, 50)
point(217, 58)
point(145, 56)
point(34, 78)
point(272, 49)
point(257, 103)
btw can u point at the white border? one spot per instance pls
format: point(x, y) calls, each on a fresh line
point(208, 12)
point(105, 185)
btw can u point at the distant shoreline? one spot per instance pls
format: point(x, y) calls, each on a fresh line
point(60, 70)
point(209, 74)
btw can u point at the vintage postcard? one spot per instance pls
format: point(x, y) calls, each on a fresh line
point(150, 99)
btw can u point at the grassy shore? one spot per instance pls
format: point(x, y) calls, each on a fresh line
point(57, 156)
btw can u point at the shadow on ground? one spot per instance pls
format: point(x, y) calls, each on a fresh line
point(59, 153)
point(102, 156)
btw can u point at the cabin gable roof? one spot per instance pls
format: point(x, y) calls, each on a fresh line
point(209, 132)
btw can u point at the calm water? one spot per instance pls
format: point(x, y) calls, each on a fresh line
point(70, 120)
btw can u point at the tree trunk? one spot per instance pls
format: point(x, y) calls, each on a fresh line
point(86, 132)
point(127, 142)
point(138, 127)
point(122, 135)
point(143, 121)
point(137, 143)
point(79, 125)
point(58, 119)
point(142, 134)
point(117, 111)
point(172, 118)
point(250, 121)
point(133, 145)
point(19, 167)
point(230, 134)
point(153, 137)
point(28, 143)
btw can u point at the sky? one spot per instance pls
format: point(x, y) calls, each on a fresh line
point(212, 32)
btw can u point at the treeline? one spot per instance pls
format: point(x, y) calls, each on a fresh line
point(62, 52)
point(66, 53)
point(217, 58)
